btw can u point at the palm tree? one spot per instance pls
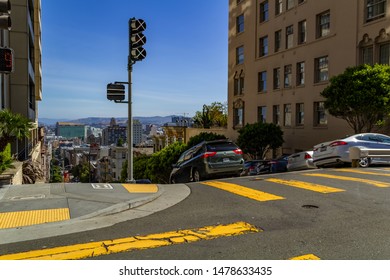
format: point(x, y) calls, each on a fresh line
point(13, 127)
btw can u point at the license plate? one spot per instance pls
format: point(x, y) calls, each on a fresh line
point(323, 149)
point(226, 160)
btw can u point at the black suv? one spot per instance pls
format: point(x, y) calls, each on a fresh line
point(208, 159)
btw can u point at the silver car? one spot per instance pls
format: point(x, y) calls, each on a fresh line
point(300, 161)
point(336, 152)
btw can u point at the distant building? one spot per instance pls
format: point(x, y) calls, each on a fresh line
point(113, 133)
point(118, 157)
point(137, 132)
point(70, 130)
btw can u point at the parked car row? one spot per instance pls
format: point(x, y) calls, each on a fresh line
point(222, 158)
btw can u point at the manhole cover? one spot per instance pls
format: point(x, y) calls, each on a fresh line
point(309, 206)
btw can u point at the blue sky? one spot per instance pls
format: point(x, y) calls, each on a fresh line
point(85, 47)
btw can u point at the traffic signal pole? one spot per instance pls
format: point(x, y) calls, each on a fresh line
point(130, 177)
point(116, 92)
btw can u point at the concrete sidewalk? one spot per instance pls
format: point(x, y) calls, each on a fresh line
point(30, 212)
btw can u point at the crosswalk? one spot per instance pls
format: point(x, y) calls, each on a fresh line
point(334, 178)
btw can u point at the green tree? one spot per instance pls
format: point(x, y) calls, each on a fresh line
point(56, 174)
point(360, 96)
point(214, 115)
point(204, 136)
point(159, 165)
point(13, 126)
point(257, 139)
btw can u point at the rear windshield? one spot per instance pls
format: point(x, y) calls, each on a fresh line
point(218, 147)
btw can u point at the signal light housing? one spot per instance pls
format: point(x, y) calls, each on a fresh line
point(6, 60)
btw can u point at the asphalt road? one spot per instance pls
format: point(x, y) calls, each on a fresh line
point(344, 216)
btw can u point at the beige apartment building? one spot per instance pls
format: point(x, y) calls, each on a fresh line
point(282, 54)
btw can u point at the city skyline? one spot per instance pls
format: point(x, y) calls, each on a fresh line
point(87, 48)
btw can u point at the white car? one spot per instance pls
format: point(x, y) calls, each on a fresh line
point(336, 152)
point(300, 161)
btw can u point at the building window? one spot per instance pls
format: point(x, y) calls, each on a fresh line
point(300, 114)
point(321, 69)
point(320, 118)
point(287, 76)
point(263, 42)
point(239, 83)
point(277, 78)
point(264, 11)
point(384, 54)
point(262, 81)
point(289, 36)
point(238, 113)
point(278, 40)
point(323, 24)
point(287, 114)
point(240, 23)
point(276, 114)
point(367, 55)
point(278, 7)
point(375, 9)
point(300, 73)
point(240, 55)
point(302, 32)
point(290, 4)
point(261, 114)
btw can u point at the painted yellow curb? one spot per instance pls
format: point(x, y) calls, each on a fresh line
point(92, 249)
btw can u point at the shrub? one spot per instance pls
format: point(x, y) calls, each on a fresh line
point(5, 158)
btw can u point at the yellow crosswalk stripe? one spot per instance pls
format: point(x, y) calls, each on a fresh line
point(344, 178)
point(305, 257)
point(243, 191)
point(305, 185)
point(358, 171)
point(106, 247)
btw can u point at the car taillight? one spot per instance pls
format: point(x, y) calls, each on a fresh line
point(208, 154)
point(307, 156)
point(338, 143)
point(238, 151)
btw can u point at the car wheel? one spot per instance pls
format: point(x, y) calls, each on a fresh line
point(364, 162)
point(195, 175)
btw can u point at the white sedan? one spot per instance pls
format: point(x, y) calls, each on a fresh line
point(336, 152)
point(300, 161)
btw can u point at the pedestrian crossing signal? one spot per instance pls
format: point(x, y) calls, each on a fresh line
point(6, 60)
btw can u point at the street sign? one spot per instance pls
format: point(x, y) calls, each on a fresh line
point(115, 92)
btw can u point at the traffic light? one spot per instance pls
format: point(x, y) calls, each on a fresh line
point(137, 39)
point(5, 11)
point(6, 60)
point(115, 92)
